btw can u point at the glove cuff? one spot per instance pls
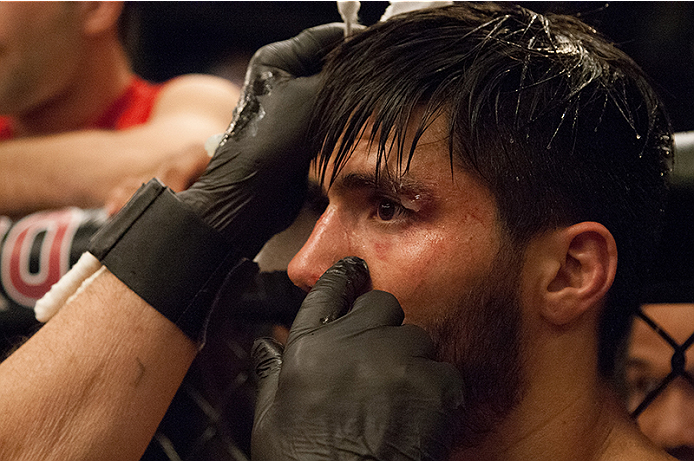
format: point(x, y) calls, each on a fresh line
point(167, 255)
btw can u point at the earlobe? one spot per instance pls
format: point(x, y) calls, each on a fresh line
point(586, 263)
point(99, 17)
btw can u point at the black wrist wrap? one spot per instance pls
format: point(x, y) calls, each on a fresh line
point(167, 255)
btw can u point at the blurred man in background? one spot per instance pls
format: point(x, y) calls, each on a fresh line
point(75, 124)
point(659, 367)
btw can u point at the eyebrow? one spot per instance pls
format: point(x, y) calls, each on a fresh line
point(404, 185)
point(637, 362)
point(646, 365)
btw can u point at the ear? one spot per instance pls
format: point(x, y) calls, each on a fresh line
point(576, 266)
point(99, 17)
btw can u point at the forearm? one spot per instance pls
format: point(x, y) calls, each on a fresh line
point(94, 382)
point(82, 168)
point(55, 171)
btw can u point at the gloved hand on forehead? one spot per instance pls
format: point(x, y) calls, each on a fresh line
point(353, 386)
point(176, 250)
point(255, 184)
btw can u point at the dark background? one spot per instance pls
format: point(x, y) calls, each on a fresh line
point(218, 37)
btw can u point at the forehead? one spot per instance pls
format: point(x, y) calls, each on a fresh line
point(676, 320)
point(431, 158)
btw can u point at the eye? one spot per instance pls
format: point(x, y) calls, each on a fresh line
point(642, 385)
point(387, 210)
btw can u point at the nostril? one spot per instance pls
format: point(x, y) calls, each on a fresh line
point(301, 277)
point(306, 287)
point(309, 283)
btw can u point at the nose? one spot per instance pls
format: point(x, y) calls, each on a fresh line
point(672, 421)
point(327, 244)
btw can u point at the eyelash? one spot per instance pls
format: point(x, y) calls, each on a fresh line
point(647, 385)
point(399, 212)
point(643, 385)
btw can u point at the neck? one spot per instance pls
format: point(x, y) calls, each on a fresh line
point(578, 431)
point(103, 75)
point(566, 413)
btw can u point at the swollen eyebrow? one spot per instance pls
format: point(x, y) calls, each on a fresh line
point(357, 181)
point(401, 186)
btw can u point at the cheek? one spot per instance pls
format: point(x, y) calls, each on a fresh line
point(419, 271)
point(400, 265)
point(429, 270)
point(382, 250)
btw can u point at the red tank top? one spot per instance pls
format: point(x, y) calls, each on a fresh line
point(132, 108)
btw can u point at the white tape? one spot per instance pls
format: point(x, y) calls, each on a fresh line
point(398, 7)
point(69, 284)
point(349, 12)
point(212, 143)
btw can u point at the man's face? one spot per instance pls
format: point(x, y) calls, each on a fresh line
point(669, 419)
point(427, 235)
point(431, 237)
point(39, 46)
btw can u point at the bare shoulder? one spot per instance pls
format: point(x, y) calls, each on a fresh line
point(642, 453)
point(627, 443)
point(201, 82)
point(198, 90)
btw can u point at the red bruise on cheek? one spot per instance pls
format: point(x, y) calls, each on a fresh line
point(407, 266)
point(381, 250)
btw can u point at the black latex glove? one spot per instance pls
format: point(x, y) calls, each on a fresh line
point(354, 386)
point(255, 184)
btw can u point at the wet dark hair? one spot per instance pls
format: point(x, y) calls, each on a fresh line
point(559, 124)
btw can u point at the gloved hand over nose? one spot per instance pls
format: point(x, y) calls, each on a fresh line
point(353, 382)
point(255, 184)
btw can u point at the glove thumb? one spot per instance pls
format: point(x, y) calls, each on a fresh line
point(267, 363)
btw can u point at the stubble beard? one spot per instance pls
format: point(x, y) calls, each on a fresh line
point(481, 336)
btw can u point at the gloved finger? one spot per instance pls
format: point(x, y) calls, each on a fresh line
point(332, 296)
point(381, 309)
point(267, 363)
point(374, 309)
point(448, 391)
point(302, 55)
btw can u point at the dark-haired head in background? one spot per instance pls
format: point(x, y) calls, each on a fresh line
point(659, 366)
